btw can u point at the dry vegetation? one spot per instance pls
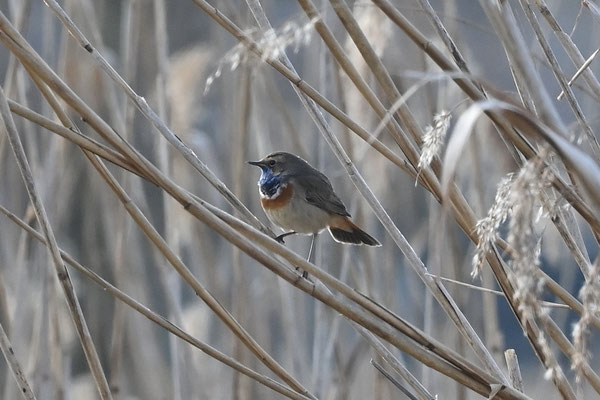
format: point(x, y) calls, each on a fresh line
point(461, 134)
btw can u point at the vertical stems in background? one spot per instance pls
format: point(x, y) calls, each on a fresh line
point(156, 318)
point(561, 78)
point(407, 119)
point(181, 365)
point(20, 17)
point(117, 350)
point(503, 21)
point(428, 317)
point(321, 324)
point(61, 271)
point(47, 365)
point(129, 53)
point(491, 327)
point(570, 48)
point(242, 281)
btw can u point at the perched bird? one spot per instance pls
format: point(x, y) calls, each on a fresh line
point(297, 197)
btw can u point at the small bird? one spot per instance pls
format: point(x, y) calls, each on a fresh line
point(299, 198)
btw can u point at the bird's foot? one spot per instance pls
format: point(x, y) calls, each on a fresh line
point(280, 237)
point(304, 273)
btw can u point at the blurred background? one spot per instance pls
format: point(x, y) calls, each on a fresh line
point(230, 107)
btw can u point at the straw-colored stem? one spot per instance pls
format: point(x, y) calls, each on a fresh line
point(376, 66)
point(15, 366)
point(156, 318)
point(60, 269)
point(195, 284)
point(560, 77)
point(158, 123)
point(454, 313)
point(75, 137)
point(570, 47)
point(514, 372)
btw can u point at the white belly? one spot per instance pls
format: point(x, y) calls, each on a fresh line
point(305, 218)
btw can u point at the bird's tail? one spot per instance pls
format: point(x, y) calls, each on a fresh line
point(345, 231)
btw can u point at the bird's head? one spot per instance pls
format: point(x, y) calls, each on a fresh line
point(279, 164)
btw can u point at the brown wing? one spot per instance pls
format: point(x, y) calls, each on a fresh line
point(319, 193)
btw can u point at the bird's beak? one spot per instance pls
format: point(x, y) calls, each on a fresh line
point(260, 164)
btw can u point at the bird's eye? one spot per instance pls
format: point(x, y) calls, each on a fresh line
point(271, 163)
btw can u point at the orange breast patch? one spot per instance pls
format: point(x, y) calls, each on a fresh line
point(280, 201)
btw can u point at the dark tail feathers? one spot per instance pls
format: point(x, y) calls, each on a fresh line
point(354, 235)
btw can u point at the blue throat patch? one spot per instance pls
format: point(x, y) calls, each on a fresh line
point(269, 183)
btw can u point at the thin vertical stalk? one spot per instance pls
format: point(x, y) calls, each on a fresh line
point(15, 366)
point(560, 77)
point(61, 271)
point(376, 66)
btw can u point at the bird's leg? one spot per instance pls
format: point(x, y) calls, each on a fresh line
point(310, 253)
point(312, 245)
point(280, 237)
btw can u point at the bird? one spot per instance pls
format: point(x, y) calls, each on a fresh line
point(299, 198)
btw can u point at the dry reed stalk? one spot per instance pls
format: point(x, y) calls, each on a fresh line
point(158, 123)
point(568, 229)
point(199, 289)
point(338, 52)
point(302, 85)
point(156, 318)
point(240, 276)
point(92, 117)
point(418, 38)
point(455, 314)
point(560, 77)
point(192, 208)
point(514, 372)
point(445, 36)
point(117, 343)
point(495, 292)
point(60, 269)
point(376, 66)
point(566, 297)
point(396, 383)
point(568, 151)
point(571, 352)
point(376, 309)
point(15, 367)
point(570, 47)
point(20, 19)
point(503, 21)
point(75, 137)
point(473, 92)
point(584, 67)
point(397, 366)
point(180, 359)
point(594, 10)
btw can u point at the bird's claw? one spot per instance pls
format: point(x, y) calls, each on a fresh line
point(280, 237)
point(304, 273)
